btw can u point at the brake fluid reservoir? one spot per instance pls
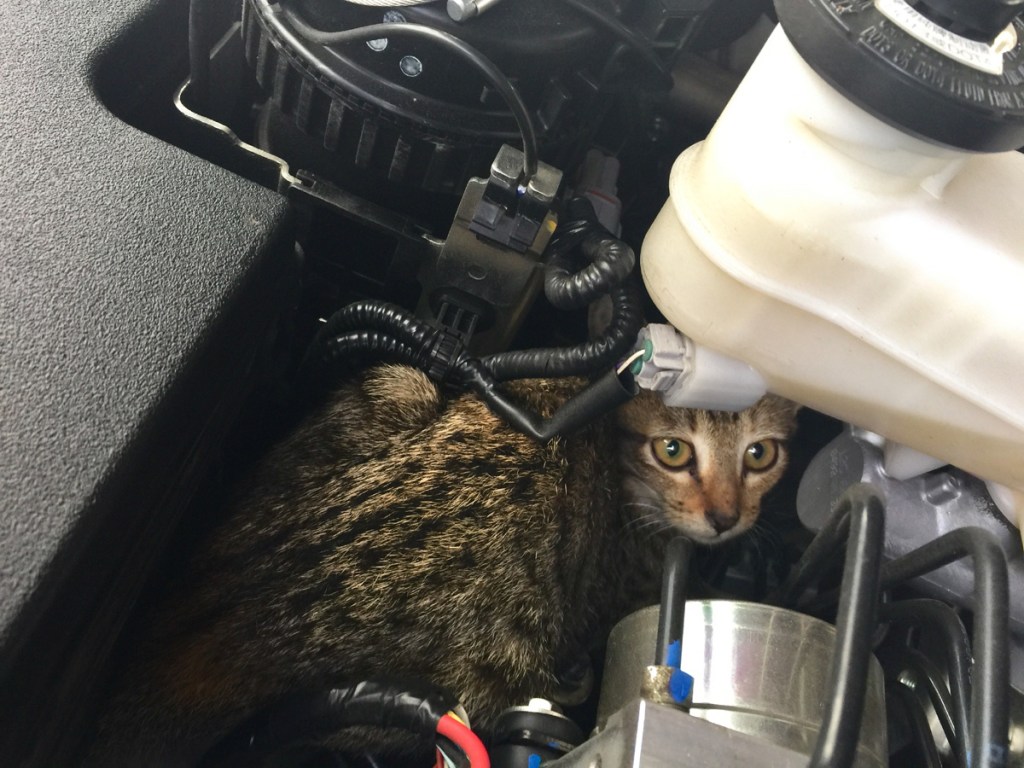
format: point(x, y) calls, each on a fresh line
point(853, 226)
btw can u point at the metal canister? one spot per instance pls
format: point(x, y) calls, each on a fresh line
point(757, 669)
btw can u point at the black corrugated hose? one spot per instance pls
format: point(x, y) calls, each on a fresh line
point(379, 316)
point(580, 360)
point(612, 261)
point(374, 331)
point(337, 351)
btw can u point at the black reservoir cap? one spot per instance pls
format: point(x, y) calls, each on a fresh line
point(937, 84)
point(976, 19)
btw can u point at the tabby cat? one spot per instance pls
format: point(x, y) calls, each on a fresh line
point(402, 532)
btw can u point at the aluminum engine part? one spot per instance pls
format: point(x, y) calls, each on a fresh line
point(656, 736)
point(759, 670)
point(918, 510)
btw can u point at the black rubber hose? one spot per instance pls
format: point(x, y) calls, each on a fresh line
point(305, 718)
point(602, 396)
point(919, 727)
point(936, 616)
point(674, 580)
point(987, 741)
point(644, 48)
point(581, 360)
point(922, 671)
point(612, 261)
point(836, 746)
point(200, 44)
point(819, 557)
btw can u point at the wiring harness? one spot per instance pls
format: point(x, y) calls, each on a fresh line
point(372, 331)
point(303, 719)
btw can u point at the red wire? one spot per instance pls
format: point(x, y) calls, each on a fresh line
point(466, 740)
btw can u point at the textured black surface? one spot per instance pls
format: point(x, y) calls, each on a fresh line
point(135, 280)
point(984, 19)
point(904, 82)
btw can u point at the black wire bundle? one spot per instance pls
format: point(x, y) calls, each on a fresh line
point(412, 342)
point(611, 262)
point(373, 331)
point(641, 46)
point(308, 717)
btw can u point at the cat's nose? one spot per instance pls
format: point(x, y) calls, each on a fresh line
point(722, 520)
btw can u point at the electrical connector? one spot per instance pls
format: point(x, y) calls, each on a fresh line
point(514, 211)
point(689, 375)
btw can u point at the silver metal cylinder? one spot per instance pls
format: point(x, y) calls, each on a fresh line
point(463, 10)
point(757, 669)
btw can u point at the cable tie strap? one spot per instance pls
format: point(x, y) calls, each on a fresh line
point(444, 356)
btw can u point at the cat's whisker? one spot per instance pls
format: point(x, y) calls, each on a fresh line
point(633, 478)
point(648, 524)
point(642, 505)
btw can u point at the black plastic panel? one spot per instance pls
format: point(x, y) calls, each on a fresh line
point(137, 287)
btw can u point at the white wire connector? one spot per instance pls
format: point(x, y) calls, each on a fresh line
point(688, 375)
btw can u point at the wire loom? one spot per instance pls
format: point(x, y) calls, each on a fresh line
point(420, 708)
point(373, 331)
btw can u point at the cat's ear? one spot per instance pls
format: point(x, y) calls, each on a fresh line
point(787, 406)
point(776, 409)
point(794, 407)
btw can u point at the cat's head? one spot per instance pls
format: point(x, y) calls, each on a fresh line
point(702, 472)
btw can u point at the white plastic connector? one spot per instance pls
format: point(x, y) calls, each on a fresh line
point(688, 375)
point(903, 462)
point(1010, 503)
point(599, 183)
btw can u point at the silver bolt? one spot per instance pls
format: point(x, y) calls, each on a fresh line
point(410, 66)
point(464, 10)
point(381, 43)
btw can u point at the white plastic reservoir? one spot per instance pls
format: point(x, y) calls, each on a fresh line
point(863, 272)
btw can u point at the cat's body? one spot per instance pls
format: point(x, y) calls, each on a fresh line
point(397, 532)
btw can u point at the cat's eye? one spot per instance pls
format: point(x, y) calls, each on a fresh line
point(761, 456)
point(672, 452)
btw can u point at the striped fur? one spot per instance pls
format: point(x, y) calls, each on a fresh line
point(397, 532)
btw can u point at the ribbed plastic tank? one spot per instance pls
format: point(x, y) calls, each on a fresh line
point(862, 268)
